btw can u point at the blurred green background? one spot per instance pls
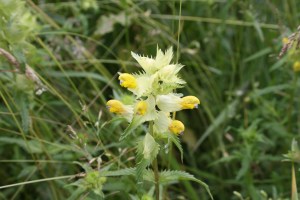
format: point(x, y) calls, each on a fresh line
point(249, 110)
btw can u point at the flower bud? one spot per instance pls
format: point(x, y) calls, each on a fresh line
point(176, 127)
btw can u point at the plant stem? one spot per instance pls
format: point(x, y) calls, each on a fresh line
point(156, 176)
point(294, 195)
point(155, 167)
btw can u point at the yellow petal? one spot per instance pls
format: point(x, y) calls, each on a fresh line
point(176, 127)
point(141, 108)
point(128, 81)
point(189, 102)
point(115, 106)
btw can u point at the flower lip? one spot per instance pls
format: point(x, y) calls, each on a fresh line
point(189, 102)
point(141, 108)
point(176, 127)
point(115, 106)
point(127, 81)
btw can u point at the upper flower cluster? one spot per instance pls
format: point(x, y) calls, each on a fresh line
point(153, 88)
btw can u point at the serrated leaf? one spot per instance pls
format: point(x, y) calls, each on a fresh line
point(176, 141)
point(173, 176)
point(132, 126)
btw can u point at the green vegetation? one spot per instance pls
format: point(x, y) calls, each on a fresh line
point(59, 64)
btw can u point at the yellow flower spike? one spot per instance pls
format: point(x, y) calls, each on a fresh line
point(285, 40)
point(296, 66)
point(127, 81)
point(141, 108)
point(189, 102)
point(176, 127)
point(115, 106)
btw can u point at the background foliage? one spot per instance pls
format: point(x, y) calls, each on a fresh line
point(249, 110)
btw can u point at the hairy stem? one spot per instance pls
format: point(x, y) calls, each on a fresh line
point(155, 167)
point(156, 176)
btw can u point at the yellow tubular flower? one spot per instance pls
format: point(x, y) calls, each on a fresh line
point(141, 108)
point(189, 102)
point(176, 127)
point(115, 106)
point(127, 81)
point(119, 108)
point(296, 66)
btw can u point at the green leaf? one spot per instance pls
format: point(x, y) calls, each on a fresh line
point(77, 74)
point(147, 151)
point(31, 146)
point(175, 139)
point(19, 55)
point(258, 54)
point(77, 193)
point(24, 111)
point(121, 172)
point(132, 126)
point(167, 177)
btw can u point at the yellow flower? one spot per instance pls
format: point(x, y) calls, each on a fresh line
point(173, 102)
point(141, 108)
point(144, 111)
point(189, 102)
point(127, 81)
point(296, 66)
point(117, 107)
point(285, 40)
point(176, 127)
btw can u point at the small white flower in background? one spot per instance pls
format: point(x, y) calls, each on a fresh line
point(153, 88)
